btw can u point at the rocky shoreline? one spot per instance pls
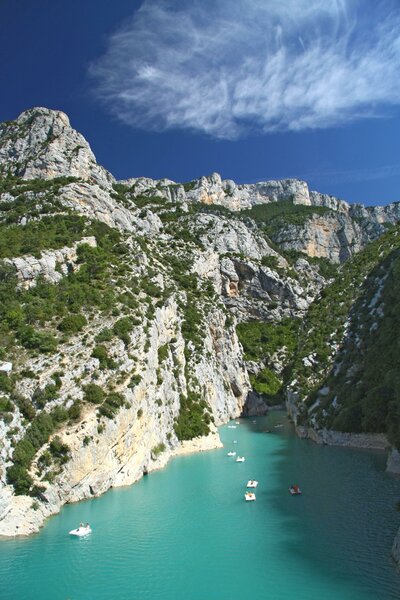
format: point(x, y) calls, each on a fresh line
point(18, 518)
point(201, 444)
point(372, 441)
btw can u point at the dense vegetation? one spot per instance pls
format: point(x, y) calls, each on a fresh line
point(193, 419)
point(275, 215)
point(366, 380)
point(38, 433)
point(261, 342)
point(366, 384)
point(26, 316)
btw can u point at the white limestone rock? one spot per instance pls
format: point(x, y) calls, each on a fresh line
point(40, 143)
point(96, 203)
point(53, 265)
point(231, 236)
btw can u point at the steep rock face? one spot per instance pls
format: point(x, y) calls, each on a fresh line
point(259, 291)
point(233, 260)
point(40, 143)
point(232, 237)
point(141, 438)
point(94, 202)
point(332, 236)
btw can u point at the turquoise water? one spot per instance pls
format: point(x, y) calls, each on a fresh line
point(186, 533)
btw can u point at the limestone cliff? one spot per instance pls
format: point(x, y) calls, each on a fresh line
point(121, 304)
point(106, 452)
point(41, 143)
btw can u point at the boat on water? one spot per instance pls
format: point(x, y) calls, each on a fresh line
point(252, 483)
point(237, 422)
point(240, 459)
point(250, 497)
point(295, 490)
point(231, 453)
point(231, 426)
point(81, 531)
point(235, 441)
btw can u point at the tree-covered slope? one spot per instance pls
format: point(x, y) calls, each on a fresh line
point(345, 369)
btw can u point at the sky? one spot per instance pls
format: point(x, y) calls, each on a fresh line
point(252, 89)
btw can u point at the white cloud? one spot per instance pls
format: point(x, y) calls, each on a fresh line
point(227, 67)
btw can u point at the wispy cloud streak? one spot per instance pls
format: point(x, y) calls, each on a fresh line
point(229, 67)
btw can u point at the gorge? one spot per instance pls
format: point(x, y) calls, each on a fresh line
point(137, 316)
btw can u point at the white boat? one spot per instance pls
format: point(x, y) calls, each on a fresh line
point(235, 441)
point(231, 453)
point(237, 422)
point(231, 426)
point(240, 459)
point(81, 531)
point(250, 497)
point(252, 483)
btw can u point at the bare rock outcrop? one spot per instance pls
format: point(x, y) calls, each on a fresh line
point(52, 265)
point(96, 203)
point(40, 143)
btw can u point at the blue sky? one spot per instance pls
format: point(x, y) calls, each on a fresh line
point(253, 89)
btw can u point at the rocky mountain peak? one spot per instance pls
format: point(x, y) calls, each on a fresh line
point(41, 143)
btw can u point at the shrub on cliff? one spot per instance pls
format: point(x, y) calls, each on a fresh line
point(111, 405)
point(101, 353)
point(19, 478)
point(93, 393)
point(122, 329)
point(72, 323)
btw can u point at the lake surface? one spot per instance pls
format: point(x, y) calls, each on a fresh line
point(186, 533)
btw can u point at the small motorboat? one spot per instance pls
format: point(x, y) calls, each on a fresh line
point(295, 490)
point(231, 426)
point(278, 426)
point(252, 483)
point(81, 531)
point(240, 459)
point(250, 497)
point(231, 453)
point(237, 422)
point(235, 441)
